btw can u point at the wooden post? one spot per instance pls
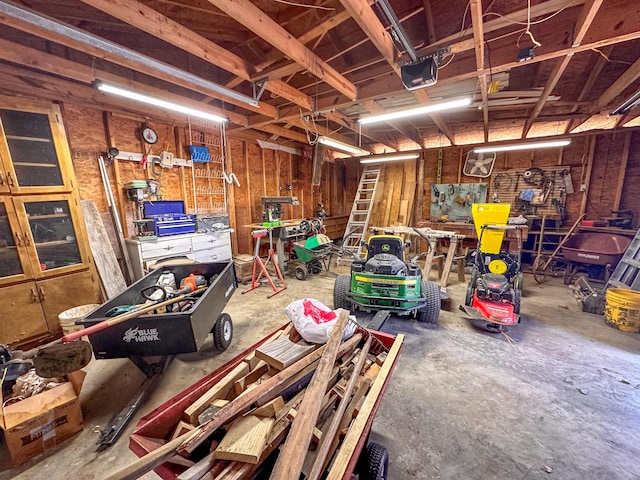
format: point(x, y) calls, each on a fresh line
point(418, 211)
point(460, 158)
point(622, 171)
point(231, 203)
point(586, 179)
point(291, 457)
point(116, 171)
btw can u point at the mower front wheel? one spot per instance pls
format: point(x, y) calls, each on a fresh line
point(340, 290)
point(431, 310)
point(375, 462)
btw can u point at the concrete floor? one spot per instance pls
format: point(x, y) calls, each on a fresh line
point(563, 402)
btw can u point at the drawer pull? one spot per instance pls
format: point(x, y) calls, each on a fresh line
point(34, 296)
point(42, 295)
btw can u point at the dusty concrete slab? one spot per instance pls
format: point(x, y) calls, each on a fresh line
point(462, 403)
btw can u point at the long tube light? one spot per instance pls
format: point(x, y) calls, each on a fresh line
point(522, 146)
point(344, 147)
point(390, 158)
point(411, 112)
point(117, 53)
point(139, 97)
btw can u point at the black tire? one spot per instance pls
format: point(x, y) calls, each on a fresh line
point(222, 332)
point(471, 287)
point(375, 462)
point(431, 311)
point(517, 299)
point(341, 288)
point(301, 272)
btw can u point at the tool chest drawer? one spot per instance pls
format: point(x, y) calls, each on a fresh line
point(201, 247)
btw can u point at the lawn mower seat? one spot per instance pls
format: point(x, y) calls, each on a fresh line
point(387, 244)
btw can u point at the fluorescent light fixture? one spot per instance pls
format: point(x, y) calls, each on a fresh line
point(631, 102)
point(390, 158)
point(411, 112)
point(344, 147)
point(522, 146)
point(139, 97)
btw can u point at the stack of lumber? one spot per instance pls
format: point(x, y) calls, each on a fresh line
point(288, 409)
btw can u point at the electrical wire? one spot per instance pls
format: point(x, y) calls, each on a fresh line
point(529, 22)
point(305, 5)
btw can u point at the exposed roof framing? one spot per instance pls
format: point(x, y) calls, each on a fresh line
point(335, 64)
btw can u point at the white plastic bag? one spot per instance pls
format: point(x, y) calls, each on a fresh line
point(314, 320)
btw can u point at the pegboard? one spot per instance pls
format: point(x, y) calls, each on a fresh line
point(455, 199)
point(507, 187)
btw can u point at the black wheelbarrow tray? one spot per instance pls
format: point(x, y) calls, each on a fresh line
point(147, 338)
point(167, 333)
point(157, 427)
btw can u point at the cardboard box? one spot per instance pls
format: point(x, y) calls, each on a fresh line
point(243, 264)
point(37, 423)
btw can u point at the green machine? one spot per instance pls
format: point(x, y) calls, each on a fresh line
point(385, 281)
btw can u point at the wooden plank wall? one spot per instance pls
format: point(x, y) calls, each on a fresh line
point(268, 172)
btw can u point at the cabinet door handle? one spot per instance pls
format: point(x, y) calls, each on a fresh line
point(42, 295)
point(27, 240)
point(18, 239)
point(34, 296)
point(2, 180)
point(10, 179)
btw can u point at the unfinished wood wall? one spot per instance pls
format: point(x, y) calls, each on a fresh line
point(263, 172)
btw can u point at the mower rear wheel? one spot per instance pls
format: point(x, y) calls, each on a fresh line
point(301, 272)
point(340, 290)
point(471, 287)
point(431, 311)
point(222, 332)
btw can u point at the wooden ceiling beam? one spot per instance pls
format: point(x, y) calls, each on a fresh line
point(262, 25)
point(162, 27)
point(478, 38)
point(114, 53)
point(627, 78)
point(367, 20)
point(587, 16)
point(428, 16)
point(77, 72)
point(346, 122)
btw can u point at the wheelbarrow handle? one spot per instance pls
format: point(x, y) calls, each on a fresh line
point(123, 317)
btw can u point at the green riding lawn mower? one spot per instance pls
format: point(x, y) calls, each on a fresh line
point(385, 281)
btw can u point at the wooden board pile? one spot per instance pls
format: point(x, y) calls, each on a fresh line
point(308, 405)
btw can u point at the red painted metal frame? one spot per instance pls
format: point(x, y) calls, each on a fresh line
point(155, 427)
point(496, 312)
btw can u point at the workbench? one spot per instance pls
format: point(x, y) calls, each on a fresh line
point(469, 232)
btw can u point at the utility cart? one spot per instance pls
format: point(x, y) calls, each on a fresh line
point(163, 334)
point(354, 453)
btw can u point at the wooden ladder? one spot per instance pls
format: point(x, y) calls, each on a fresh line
point(627, 273)
point(356, 230)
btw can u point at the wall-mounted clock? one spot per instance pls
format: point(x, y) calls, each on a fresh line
point(149, 135)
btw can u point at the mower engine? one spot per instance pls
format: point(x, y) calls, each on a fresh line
point(386, 264)
point(494, 287)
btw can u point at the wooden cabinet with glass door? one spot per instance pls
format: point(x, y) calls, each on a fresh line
point(45, 265)
point(33, 150)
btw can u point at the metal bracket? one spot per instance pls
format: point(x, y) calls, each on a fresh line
point(261, 84)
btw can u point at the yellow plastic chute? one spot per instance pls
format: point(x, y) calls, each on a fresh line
point(490, 214)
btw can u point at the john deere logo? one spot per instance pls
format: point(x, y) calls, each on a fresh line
point(386, 248)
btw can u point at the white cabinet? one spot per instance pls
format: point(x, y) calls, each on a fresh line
point(201, 247)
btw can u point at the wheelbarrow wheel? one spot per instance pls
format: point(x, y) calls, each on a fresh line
point(431, 311)
point(301, 272)
point(222, 332)
point(375, 463)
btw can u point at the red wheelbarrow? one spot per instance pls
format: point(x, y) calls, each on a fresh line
point(599, 253)
point(352, 453)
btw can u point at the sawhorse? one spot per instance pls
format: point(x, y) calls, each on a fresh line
point(436, 252)
point(257, 262)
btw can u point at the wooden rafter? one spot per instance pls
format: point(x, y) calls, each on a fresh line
point(262, 25)
point(478, 37)
point(428, 16)
point(627, 78)
point(582, 25)
point(141, 16)
point(365, 17)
